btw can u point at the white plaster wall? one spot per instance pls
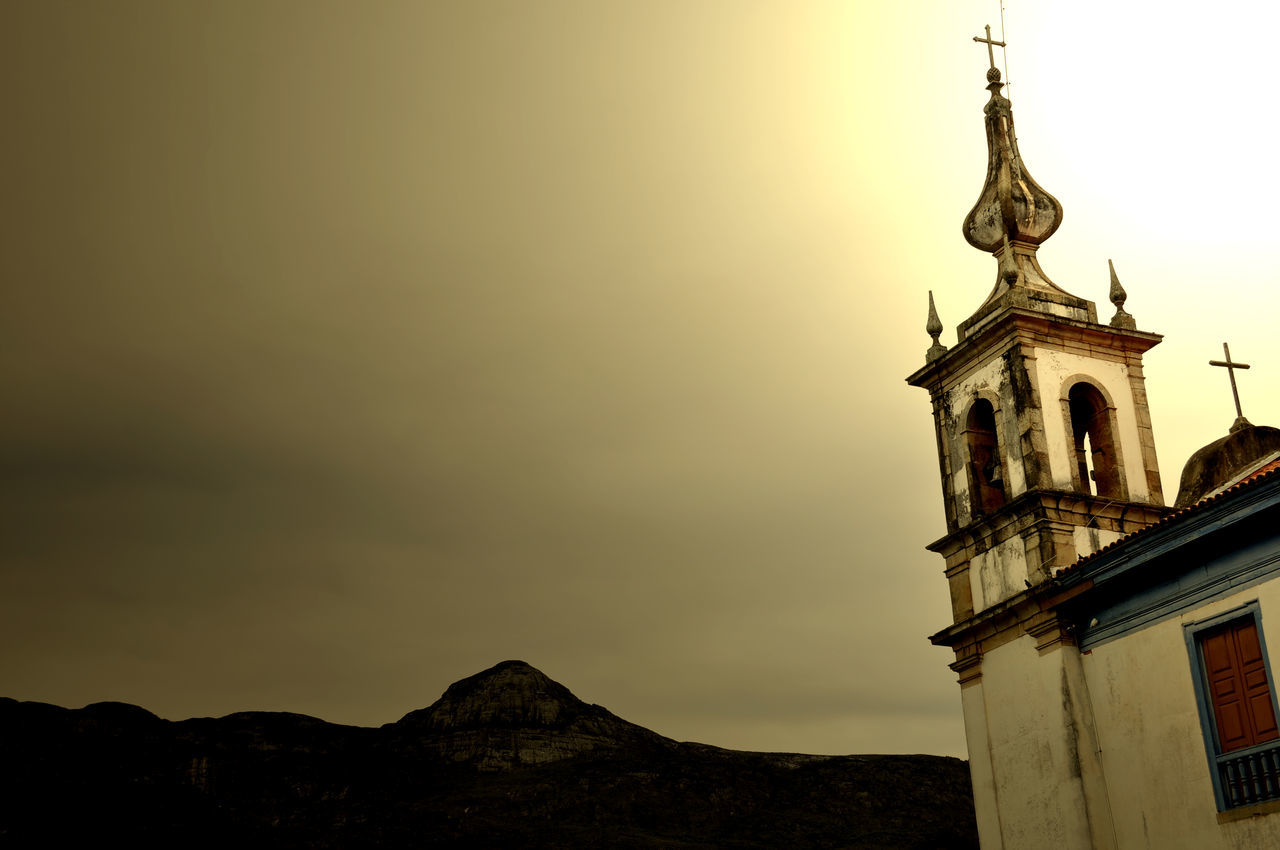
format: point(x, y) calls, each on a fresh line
point(1152, 746)
point(1090, 540)
point(998, 573)
point(989, 377)
point(1032, 749)
point(1052, 368)
point(984, 789)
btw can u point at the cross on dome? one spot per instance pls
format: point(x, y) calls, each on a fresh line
point(1231, 368)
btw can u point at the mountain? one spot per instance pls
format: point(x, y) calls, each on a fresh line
point(512, 714)
point(505, 758)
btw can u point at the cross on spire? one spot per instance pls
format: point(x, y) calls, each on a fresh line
point(1231, 368)
point(991, 54)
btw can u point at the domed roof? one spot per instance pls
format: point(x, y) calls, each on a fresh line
point(1226, 461)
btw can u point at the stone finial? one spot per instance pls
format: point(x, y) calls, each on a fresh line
point(933, 327)
point(1118, 296)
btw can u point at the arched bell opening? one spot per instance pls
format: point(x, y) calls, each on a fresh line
point(986, 471)
point(1097, 468)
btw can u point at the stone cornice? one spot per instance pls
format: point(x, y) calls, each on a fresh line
point(1054, 506)
point(1053, 611)
point(1033, 329)
point(1033, 612)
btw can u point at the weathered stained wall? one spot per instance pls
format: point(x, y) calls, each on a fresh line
point(1034, 434)
point(1052, 369)
point(1153, 749)
point(1090, 540)
point(999, 573)
point(1023, 714)
point(990, 381)
point(973, 703)
point(1104, 748)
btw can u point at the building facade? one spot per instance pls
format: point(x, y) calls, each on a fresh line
point(1111, 651)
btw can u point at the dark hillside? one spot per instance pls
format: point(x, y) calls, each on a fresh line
point(506, 758)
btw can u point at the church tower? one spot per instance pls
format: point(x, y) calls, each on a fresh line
point(1046, 454)
point(1045, 446)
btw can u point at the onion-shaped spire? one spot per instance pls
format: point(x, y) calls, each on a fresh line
point(1012, 217)
point(1011, 203)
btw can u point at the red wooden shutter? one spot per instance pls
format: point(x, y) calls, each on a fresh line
point(1238, 686)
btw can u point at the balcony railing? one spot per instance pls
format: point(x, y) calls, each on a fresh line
point(1250, 776)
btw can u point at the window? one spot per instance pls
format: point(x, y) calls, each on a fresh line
point(986, 482)
point(1237, 707)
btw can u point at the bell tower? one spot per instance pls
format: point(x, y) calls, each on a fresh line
point(1045, 454)
point(1045, 447)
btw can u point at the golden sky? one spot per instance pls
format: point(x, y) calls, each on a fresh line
point(351, 348)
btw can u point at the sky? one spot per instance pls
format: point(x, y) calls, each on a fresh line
point(350, 349)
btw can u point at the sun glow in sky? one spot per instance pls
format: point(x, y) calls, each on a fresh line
point(351, 349)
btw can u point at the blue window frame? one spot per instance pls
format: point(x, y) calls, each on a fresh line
point(1236, 699)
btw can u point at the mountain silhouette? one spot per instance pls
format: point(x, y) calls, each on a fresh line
point(505, 758)
point(513, 714)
